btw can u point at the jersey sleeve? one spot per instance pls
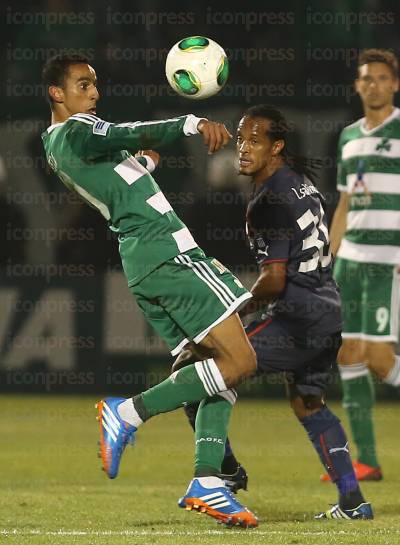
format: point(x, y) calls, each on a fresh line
point(274, 231)
point(341, 170)
point(103, 137)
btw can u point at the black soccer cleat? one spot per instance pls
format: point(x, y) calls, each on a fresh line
point(236, 481)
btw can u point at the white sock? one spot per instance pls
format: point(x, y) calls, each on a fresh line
point(354, 370)
point(393, 377)
point(210, 482)
point(128, 413)
point(210, 376)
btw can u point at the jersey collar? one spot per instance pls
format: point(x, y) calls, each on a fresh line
point(261, 187)
point(54, 126)
point(390, 118)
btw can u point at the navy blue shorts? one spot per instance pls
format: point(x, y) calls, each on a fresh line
point(307, 362)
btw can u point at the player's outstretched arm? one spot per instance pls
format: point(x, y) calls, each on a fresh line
point(103, 137)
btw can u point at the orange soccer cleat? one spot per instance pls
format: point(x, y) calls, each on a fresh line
point(363, 472)
point(217, 502)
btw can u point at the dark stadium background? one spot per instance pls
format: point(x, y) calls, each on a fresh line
point(67, 320)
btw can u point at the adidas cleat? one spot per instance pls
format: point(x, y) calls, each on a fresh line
point(362, 512)
point(236, 481)
point(363, 472)
point(115, 434)
point(217, 502)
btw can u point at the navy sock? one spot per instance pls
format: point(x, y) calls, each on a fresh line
point(191, 412)
point(330, 442)
point(229, 463)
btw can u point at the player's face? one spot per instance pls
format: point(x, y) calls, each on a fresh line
point(254, 146)
point(376, 85)
point(79, 92)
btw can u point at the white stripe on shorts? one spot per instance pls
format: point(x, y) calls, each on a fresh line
point(220, 286)
point(202, 277)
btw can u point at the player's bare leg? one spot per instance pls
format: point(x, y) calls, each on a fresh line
point(330, 442)
point(382, 361)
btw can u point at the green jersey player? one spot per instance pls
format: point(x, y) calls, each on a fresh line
point(366, 237)
point(190, 299)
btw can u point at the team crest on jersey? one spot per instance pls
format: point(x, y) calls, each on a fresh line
point(218, 265)
point(262, 248)
point(101, 127)
point(384, 145)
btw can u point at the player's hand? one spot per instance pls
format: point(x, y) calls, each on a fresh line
point(215, 135)
point(150, 153)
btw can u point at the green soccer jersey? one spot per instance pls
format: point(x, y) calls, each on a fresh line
point(369, 171)
point(92, 157)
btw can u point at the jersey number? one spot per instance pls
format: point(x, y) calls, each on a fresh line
point(382, 318)
point(314, 241)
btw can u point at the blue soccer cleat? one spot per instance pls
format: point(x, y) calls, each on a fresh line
point(218, 503)
point(362, 512)
point(115, 434)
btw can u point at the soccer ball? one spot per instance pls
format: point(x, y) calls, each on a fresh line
point(197, 67)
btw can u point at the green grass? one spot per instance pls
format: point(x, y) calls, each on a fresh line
point(52, 490)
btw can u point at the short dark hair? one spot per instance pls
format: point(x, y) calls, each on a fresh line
point(55, 69)
point(380, 55)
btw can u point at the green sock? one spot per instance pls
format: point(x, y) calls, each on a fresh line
point(358, 400)
point(192, 383)
point(211, 431)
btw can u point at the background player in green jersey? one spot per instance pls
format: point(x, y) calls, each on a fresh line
point(191, 300)
point(365, 236)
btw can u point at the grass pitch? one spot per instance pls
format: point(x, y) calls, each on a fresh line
point(53, 492)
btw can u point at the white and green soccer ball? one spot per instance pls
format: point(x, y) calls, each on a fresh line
point(197, 67)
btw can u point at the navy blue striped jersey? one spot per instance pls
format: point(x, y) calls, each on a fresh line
point(286, 222)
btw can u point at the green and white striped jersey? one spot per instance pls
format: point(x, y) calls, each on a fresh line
point(93, 158)
point(369, 171)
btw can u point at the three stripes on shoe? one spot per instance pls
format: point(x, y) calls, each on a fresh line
point(110, 422)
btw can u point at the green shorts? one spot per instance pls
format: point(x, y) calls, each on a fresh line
point(370, 300)
point(187, 296)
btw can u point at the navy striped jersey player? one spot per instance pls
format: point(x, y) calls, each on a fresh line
point(286, 223)
point(300, 335)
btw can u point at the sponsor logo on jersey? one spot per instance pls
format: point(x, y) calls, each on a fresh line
point(263, 252)
point(101, 127)
point(360, 186)
point(262, 248)
point(304, 190)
